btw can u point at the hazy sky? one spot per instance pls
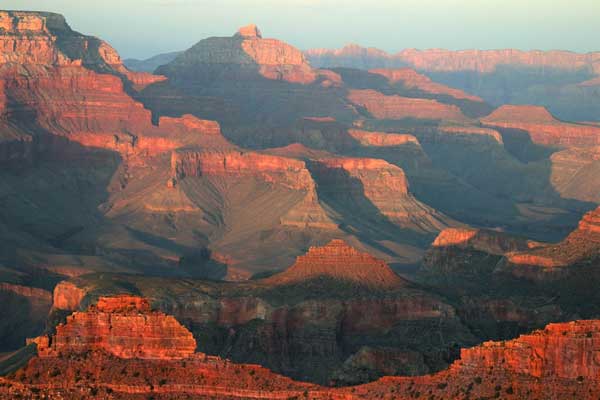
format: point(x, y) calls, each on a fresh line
point(141, 28)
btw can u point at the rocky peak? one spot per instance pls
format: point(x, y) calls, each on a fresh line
point(124, 326)
point(590, 222)
point(31, 22)
point(249, 31)
point(340, 261)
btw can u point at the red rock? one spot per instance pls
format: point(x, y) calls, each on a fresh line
point(552, 262)
point(339, 261)
point(67, 296)
point(484, 240)
point(397, 107)
point(123, 326)
point(543, 127)
point(285, 171)
point(559, 361)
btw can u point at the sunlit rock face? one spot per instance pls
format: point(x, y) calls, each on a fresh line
point(558, 361)
point(124, 326)
point(339, 261)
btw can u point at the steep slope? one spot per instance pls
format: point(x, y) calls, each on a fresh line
point(320, 320)
point(562, 81)
point(360, 183)
point(542, 127)
point(557, 361)
point(554, 261)
point(341, 262)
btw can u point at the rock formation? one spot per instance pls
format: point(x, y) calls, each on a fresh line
point(557, 362)
point(382, 139)
point(563, 81)
point(245, 55)
point(375, 183)
point(397, 107)
point(334, 301)
point(555, 261)
point(411, 79)
point(542, 127)
point(123, 326)
point(341, 262)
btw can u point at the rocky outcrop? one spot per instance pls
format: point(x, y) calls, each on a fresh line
point(411, 79)
point(334, 301)
point(492, 242)
point(376, 183)
point(542, 127)
point(63, 83)
point(464, 254)
point(473, 132)
point(381, 106)
point(563, 81)
point(382, 139)
point(560, 351)
point(555, 261)
point(557, 362)
point(123, 326)
point(276, 170)
point(246, 55)
point(341, 262)
point(67, 296)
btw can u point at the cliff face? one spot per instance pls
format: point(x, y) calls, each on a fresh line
point(440, 60)
point(334, 301)
point(63, 83)
point(542, 127)
point(285, 171)
point(123, 326)
point(398, 107)
point(558, 361)
point(552, 262)
point(565, 82)
point(245, 55)
point(375, 183)
point(411, 79)
point(382, 139)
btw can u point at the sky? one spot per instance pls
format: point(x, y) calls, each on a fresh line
point(143, 28)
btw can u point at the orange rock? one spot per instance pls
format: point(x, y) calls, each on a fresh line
point(123, 326)
point(233, 163)
point(553, 261)
point(67, 296)
point(339, 261)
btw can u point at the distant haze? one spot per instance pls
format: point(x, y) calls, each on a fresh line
point(143, 28)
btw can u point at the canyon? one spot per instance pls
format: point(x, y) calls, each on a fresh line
point(559, 359)
point(243, 219)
